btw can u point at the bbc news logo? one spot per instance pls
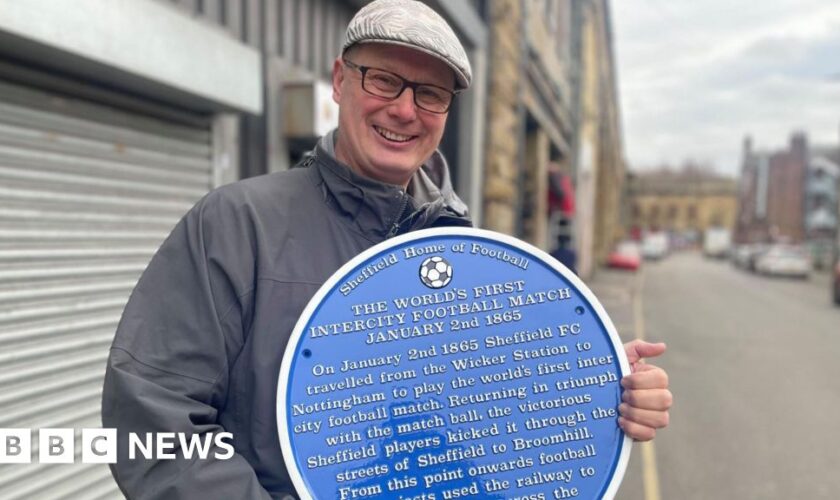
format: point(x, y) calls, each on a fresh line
point(99, 446)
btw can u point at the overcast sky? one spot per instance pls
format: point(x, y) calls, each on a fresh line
point(695, 76)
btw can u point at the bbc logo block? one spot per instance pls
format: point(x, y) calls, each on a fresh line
point(16, 446)
point(57, 446)
point(99, 446)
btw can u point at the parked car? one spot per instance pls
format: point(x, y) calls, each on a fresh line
point(740, 256)
point(716, 242)
point(785, 260)
point(655, 245)
point(625, 256)
point(745, 256)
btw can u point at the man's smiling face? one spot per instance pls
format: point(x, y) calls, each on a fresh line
point(387, 140)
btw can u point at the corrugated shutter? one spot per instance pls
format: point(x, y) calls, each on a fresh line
point(87, 194)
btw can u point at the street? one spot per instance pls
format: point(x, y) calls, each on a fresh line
point(753, 367)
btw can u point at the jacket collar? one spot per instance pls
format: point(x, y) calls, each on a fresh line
point(382, 210)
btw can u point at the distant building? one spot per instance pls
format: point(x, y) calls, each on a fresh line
point(821, 199)
point(751, 226)
point(680, 202)
point(821, 192)
point(772, 194)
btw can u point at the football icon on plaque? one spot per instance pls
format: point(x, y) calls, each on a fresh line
point(453, 363)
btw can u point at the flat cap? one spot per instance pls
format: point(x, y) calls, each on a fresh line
point(411, 24)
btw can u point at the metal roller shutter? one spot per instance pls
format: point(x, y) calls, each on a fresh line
point(87, 194)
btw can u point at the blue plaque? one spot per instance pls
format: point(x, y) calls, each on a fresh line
point(453, 364)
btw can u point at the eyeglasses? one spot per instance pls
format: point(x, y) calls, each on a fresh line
point(389, 86)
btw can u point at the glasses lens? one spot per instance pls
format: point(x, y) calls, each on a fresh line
point(388, 85)
point(382, 83)
point(432, 98)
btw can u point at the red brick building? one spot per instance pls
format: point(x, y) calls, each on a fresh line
point(771, 193)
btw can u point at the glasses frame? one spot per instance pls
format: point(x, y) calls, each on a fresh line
point(405, 84)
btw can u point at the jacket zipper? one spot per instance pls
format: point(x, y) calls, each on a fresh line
point(395, 227)
point(308, 161)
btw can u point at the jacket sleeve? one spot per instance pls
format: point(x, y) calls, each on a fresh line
point(169, 363)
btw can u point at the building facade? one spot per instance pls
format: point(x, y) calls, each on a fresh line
point(111, 127)
point(553, 111)
point(681, 203)
point(600, 159)
point(529, 111)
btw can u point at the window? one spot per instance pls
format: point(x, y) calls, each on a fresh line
point(692, 212)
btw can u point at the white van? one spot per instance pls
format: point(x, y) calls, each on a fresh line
point(655, 245)
point(716, 242)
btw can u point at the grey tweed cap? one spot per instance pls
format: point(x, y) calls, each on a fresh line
point(411, 24)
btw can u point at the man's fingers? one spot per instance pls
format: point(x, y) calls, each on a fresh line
point(646, 398)
point(646, 377)
point(635, 430)
point(648, 418)
point(649, 399)
point(638, 349)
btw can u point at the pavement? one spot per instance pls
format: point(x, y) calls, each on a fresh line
point(620, 292)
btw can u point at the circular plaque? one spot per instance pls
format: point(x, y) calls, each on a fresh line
point(453, 363)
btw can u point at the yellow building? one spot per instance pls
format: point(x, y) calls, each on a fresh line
point(530, 112)
point(600, 171)
point(553, 105)
point(681, 201)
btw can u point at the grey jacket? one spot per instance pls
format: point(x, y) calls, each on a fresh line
point(199, 346)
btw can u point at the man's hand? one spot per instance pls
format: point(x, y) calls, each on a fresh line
point(646, 397)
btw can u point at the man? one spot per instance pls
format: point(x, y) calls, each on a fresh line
point(199, 347)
